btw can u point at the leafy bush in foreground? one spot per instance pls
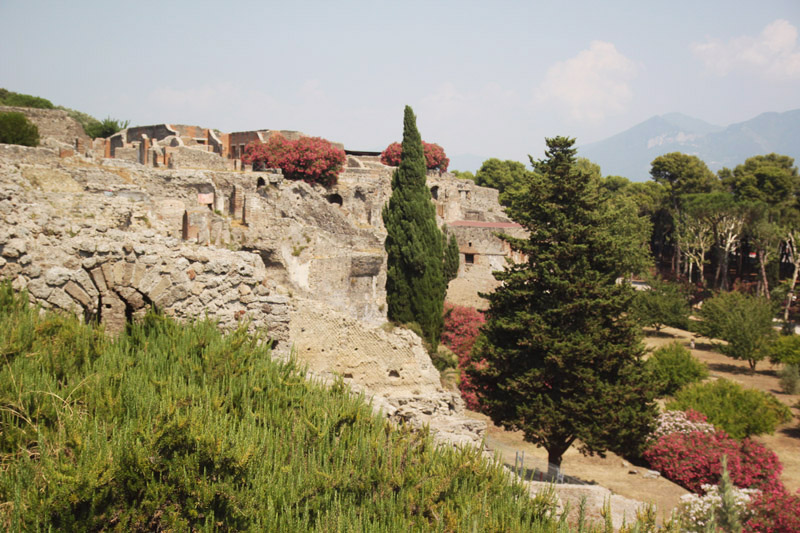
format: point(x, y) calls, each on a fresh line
point(729, 406)
point(181, 428)
point(673, 366)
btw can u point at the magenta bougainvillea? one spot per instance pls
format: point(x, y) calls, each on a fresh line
point(311, 159)
point(461, 329)
point(774, 512)
point(693, 458)
point(435, 158)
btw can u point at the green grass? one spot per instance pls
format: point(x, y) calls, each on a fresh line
point(181, 428)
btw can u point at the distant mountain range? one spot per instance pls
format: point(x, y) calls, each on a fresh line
point(630, 153)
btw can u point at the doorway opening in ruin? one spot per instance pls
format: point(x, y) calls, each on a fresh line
point(435, 192)
point(260, 183)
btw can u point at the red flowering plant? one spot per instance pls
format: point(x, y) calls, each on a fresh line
point(774, 512)
point(461, 329)
point(435, 158)
point(311, 159)
point(693, 458)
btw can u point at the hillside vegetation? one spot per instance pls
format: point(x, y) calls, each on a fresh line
point(173, 427)
point(93, 127)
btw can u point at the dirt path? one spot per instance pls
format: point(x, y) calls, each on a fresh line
point(619, 476)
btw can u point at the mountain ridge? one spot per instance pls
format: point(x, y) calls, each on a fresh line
point(630, 152)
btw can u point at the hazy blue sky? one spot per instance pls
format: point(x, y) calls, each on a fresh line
point(486, 79)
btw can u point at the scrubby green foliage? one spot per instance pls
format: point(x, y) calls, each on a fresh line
point(105, 128)
point(11, 98)
point(673, 366)
point(786, 350)
point(444, 358)
point(509, 177)
point(789, 378)
point(744, 321)
point(663, 304)
point(415, 282)
point(738, 411)
point(15, 128)
point(179, 428)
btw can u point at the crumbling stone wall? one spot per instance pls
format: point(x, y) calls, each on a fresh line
point(187, 157)
point(114, 276)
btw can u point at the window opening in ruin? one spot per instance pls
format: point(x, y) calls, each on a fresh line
point(260, 182)
point(435, 192)
point(335, 199)
point(469, 259)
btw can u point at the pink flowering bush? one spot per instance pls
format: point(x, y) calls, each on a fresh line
point(435, 158)
point(311, 159)
point(774, 512)
point(694, 459)
point(461, 329)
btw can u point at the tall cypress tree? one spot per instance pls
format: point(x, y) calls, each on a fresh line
point(451, 259)
point(560, 353)
point(415, 284)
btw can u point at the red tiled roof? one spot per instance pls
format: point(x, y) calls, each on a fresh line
point(480, 224)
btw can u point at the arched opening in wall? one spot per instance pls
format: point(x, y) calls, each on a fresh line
point(335, 199)
point(435, 192)
point(260, 182)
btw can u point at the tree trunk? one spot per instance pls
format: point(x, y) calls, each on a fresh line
point(554, 464)
point(790, 296)
point(795, 258)
point(762, 263)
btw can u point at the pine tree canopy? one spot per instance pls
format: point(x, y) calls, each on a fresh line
point(415, 283)
point(560, 355)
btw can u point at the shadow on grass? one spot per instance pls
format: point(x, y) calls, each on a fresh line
point(536, 474)
point(650, 332)
point(791, 431)
point(730, 369)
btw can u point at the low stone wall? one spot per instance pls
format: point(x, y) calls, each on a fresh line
point(185, 157)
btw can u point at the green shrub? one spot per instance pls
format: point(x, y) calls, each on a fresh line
point(10, 98)
point(674, 366)
point(786, 350)
point(663, 304)
point(738, 411)
point(444, 358)
point(104, 129)
point(15, 128)
point(790, 379)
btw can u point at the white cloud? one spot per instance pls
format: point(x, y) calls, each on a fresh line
point(774, 53)
point(592, 85)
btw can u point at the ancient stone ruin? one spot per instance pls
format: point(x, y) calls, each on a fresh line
point(167, 216)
